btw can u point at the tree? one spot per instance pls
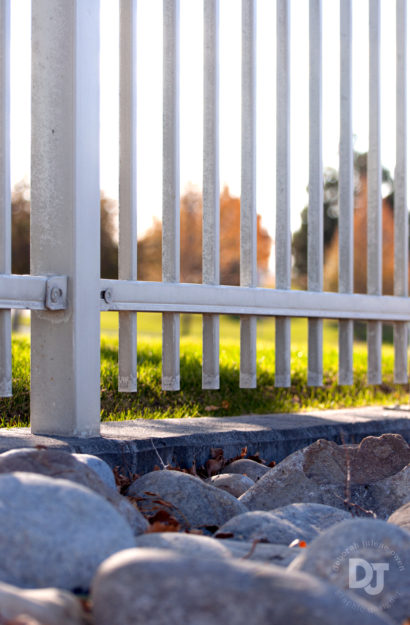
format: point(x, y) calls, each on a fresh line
point(20, 211)
point(149, 246)
point(330, 214)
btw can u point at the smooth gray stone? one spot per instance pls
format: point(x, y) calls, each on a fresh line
point(261, 552)
point(193, 503)
point(401, 517)
point(160, 587)
point(301, 521)
point(54, 532)
point(63, 465)
point(102, 469)
point(187, 544)
point(233, 483)
point(315, 516)
point(385, 496)
point(245, 466)
point(318, 473)
point(332, 554)
point(47, 605)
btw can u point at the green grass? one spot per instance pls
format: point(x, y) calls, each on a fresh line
point(191, 400)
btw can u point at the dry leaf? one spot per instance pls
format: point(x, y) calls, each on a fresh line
point(223, 535)
point(163, 521)
point(211, 408)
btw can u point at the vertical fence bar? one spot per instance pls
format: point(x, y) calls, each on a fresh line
point(315, 211)
point(374, 204)
point(346, 190)
point(210, 225)
point(170, 191)
point(127, 248)
point(248, 267)
point(65, 214)
point(283, 233)
point(400, 192)
point(5, 199)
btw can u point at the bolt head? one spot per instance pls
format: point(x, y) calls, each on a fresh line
point(55, 294)
point(108, 296)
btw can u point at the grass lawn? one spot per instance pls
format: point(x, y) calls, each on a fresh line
point(191, 400)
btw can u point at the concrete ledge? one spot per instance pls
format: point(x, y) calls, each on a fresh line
point(137, 445)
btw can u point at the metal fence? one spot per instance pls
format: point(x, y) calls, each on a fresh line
point(65, 292)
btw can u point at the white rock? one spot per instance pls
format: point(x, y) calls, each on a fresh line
point(160, 587)
point(233, 483)
point(102, 469)
point(188, 544)
point(54, 532)
point(48, 605)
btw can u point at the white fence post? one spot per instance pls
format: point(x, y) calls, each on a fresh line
point(315, 211)
point(283, 232)
point(5, 200)
point(127, 245)
point(65, 214)
point(401, 216)
point(170, 191)
point(374, 196)
point(346, 190)
point(210, 220)
point(248, 266)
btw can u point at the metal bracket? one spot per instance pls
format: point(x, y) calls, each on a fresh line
point(56, 293)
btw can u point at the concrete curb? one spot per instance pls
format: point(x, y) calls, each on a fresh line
point(141, 444)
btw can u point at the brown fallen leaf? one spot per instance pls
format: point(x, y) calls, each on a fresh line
point(122, 481)
point(223, 535)
point(163, 521)
point(216, 461)
point(211, 408)
point(225, 404)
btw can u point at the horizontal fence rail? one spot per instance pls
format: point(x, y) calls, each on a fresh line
point(233, 300)
point(65, 291)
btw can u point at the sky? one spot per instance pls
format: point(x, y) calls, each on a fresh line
point(149, 105)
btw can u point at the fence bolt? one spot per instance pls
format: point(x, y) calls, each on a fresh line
point(55, 294)
point(108, 296)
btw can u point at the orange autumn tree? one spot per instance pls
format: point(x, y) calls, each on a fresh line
point(149, 246)
point(360, 238)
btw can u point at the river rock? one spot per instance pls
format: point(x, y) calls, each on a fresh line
point(162, 587)
point(367, 558)
point(188, 544)
point(63, 465)
point(401, 517)
point(48, 605)
point(261, 552)
point(234, 483)
point(54, 532)
point(101, 468)
point(385, 496)
point(301, 521)
point(318, 473)
point(188, 499)
point(245, 466)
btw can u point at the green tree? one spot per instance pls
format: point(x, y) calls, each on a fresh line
point(20, 207)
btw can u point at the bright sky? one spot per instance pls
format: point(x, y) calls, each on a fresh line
point(150, 97)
